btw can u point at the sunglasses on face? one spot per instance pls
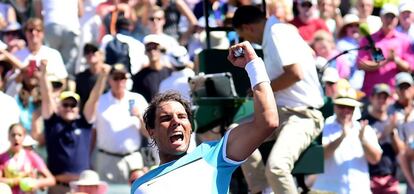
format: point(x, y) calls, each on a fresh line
point(152, 19)
point(33, 29)
point(69, 105)
point(119, 78)
point(345, 107)
point(306, 4)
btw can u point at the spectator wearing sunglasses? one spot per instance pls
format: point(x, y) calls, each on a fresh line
point(147, 81)
point(306, 21)
point(67, 134)
point(86, 79)
point(156, 26)
point(117, 115)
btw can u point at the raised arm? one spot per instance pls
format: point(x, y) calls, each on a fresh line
point(11, 59)
point(192, 20)
point(91, 104)
point(246, 137)
point(48, 103)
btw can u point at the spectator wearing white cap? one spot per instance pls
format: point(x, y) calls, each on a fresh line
point(383, 175)
point(117, 115)
point(90, 183)
point(396, 49)
point(406, 18)
point(403, 109)
point(147, 81)
point(178, 80)
point(349, 146)
point(330, 78)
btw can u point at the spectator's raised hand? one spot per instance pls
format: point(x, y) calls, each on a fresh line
point(249, 54)
point(43, 66)
point(106, 69)
point(364, 124)
point(345, 129)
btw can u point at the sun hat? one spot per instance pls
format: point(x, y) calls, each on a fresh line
point(347, 97)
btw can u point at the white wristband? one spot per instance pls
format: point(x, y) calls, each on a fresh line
point(257, 72)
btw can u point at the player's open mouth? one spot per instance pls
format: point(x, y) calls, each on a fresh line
point(176, 136)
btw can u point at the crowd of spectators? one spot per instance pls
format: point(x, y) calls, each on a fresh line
point(77, 75)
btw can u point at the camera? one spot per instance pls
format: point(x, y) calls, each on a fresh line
point(238, 52)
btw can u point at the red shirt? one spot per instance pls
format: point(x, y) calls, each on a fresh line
point(307, 30)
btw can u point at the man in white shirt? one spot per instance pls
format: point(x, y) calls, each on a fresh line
point(156, 26)
point(62, 26)
point(291, 68)
point(349, 146)
point(36, 51)
point(208, 168)
point(117, 115)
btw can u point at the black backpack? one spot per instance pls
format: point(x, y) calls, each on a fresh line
point(117, 52)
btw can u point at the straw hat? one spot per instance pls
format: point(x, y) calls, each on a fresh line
point(347, 97)
point(88, 177)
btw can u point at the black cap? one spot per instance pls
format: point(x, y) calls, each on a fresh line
point(90, 48)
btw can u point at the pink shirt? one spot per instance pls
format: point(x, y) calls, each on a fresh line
point(342, 65)
point(23, 164)
point(394, 40)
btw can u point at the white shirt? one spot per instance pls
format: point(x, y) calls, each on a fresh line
point(208, 163)
point(178, 81)
point(118, 131)
point(136, 50)
point(283, 46)
point(9, 114)
point(60, 12)
point(55, 62)
point(347, 171)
